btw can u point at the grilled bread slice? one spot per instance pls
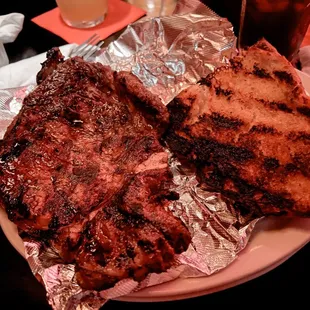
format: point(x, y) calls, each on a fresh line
point(246, 127)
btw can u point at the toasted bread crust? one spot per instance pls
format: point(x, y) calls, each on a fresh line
point(247, 128)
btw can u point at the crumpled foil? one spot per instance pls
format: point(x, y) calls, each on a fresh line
point(167, 54)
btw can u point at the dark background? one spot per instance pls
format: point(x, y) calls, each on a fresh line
point(287, 285)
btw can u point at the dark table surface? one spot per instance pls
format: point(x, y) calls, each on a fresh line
point(285, 285)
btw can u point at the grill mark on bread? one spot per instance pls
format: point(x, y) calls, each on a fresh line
point(284, 76)
point(263, 129)
point(276, 105)
point(302, 160)
point(304, 111)
point(208, 147)
point(179, 144)
point(225, 92)
point(281, 106)
point(225, 122)
point(271, 163)
point(260, 72)
point(295, 136)
point(247, 190)
point(178, 112)
point(290, 167)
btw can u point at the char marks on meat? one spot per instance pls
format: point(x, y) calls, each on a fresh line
point(82, 166)
point(247, 129)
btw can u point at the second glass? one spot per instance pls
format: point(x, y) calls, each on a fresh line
point(282, 22)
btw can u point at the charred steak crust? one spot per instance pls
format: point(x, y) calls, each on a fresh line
point(54, 58)
point(246, 129)
point(82, 167)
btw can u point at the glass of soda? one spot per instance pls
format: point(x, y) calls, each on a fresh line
point(283, 23)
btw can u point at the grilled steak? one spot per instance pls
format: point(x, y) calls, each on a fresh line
point(246, 127)
point(82, 167)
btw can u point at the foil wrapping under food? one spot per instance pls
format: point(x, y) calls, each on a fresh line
point(167, 54)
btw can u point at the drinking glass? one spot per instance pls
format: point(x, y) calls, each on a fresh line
point(83, 13)
point(283, 23)
point(155, 8)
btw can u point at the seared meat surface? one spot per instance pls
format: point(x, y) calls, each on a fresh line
point(82, 166)
point(132, 236)
point(246, 127)
point(54, 58)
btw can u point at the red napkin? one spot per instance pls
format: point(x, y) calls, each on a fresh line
point(120, 14)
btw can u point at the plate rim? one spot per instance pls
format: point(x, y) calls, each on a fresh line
point(277, 258)
point(129, 298)
point(298, 229)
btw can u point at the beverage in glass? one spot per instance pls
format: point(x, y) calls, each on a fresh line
point(83, 13)
point(283, 23)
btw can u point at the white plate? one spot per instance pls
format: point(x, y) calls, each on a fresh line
point(273, 241)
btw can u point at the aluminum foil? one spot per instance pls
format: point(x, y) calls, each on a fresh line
point(171, 52)
point(167, 54)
